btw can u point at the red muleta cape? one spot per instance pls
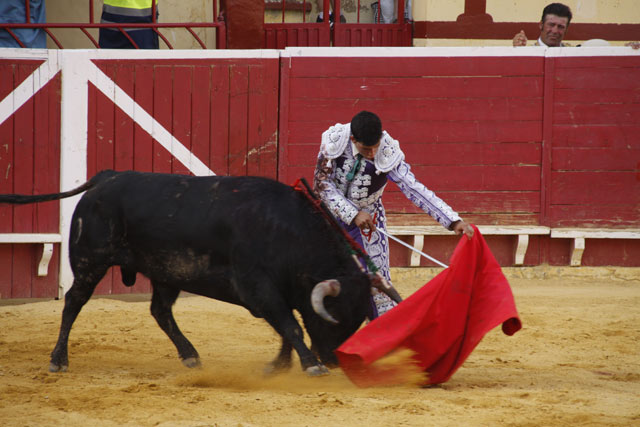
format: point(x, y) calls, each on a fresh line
point(441, 323)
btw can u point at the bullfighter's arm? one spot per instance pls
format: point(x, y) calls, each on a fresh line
point(325, 187)
point(422, 197)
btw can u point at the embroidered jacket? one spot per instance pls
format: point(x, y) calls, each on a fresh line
point(346, 198)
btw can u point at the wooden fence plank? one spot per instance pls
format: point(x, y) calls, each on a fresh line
point(143, 142)
point(392, 87)
point(470, 153)
point(220, 107)
point(431, 131)
point(596, 159)
point(23, 219)
point(238, 105)
point(123, 145)
point(181, 116)
point(615, 136)
point(595, 187)
point(6, 181)
point(123, 125)
point(201, 113)
point(491, 109)
point(105, 153)
point(162, 112)
point(415, 66)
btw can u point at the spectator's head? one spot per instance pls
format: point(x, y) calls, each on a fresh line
point(366, 131)
point(555, 21)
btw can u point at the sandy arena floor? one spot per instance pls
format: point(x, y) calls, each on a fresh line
point(575, 362)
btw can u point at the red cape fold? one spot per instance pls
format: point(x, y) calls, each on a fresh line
point(441, 323)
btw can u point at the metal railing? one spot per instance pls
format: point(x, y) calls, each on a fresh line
point(218, 24)
point(326, 6)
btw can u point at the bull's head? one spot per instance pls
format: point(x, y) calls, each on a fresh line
point(332, 288)
point(339, 317)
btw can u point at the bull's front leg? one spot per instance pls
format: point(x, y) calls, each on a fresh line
point(286, 325)
point(161, 302)
point(282, 362)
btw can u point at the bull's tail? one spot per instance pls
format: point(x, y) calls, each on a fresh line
point(22, 199)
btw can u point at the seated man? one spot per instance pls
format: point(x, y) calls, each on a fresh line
point(553, 26)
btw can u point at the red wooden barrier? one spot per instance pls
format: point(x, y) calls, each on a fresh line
point(29, 164)
point(504, 139)
point(594, 178)
point(470, 127)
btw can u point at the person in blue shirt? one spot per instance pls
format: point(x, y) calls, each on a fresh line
point(14, 12)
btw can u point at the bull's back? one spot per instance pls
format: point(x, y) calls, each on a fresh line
point(183, 226)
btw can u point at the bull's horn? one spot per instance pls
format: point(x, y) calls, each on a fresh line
point(321, 290)
point(381, 284)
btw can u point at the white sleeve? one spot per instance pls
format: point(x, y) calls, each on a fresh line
point(421, 196)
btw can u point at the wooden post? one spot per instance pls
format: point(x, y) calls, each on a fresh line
point(244, 21)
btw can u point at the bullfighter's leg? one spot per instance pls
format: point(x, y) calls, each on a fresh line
point(282, 362)
point(161, 302)
point(75, 298)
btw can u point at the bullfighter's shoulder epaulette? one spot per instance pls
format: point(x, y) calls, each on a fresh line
point(389, 154)
point(335, 140)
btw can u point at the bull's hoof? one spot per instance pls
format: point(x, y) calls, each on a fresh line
point(317, 371)
point(57, 368)
point(192, 362)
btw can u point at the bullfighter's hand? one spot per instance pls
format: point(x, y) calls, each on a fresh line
point(634, 45)
point(364, 221)
point(462, 227)
point(520, 39)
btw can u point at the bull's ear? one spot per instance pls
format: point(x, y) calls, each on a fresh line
point(380, 283)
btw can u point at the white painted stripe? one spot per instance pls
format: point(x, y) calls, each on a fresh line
point(458, 51)
point(20, 53)
point(74, 109)
point(147, 122)
point(592, 51)
point(363, 52)
point(178, 54)
point(29, 87)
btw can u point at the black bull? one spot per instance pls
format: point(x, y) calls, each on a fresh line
point(248, 241)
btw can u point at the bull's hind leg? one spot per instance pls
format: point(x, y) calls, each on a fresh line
point(80, 292)
point(161, 303)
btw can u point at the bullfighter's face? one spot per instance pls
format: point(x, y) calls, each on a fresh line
point(367, 151)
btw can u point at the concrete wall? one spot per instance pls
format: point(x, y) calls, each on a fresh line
point(170, 11)
point(584, 12)
point(423, 11)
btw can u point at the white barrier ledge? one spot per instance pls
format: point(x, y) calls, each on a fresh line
point(418, 232)
point(580, 234)
point(47, 240)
